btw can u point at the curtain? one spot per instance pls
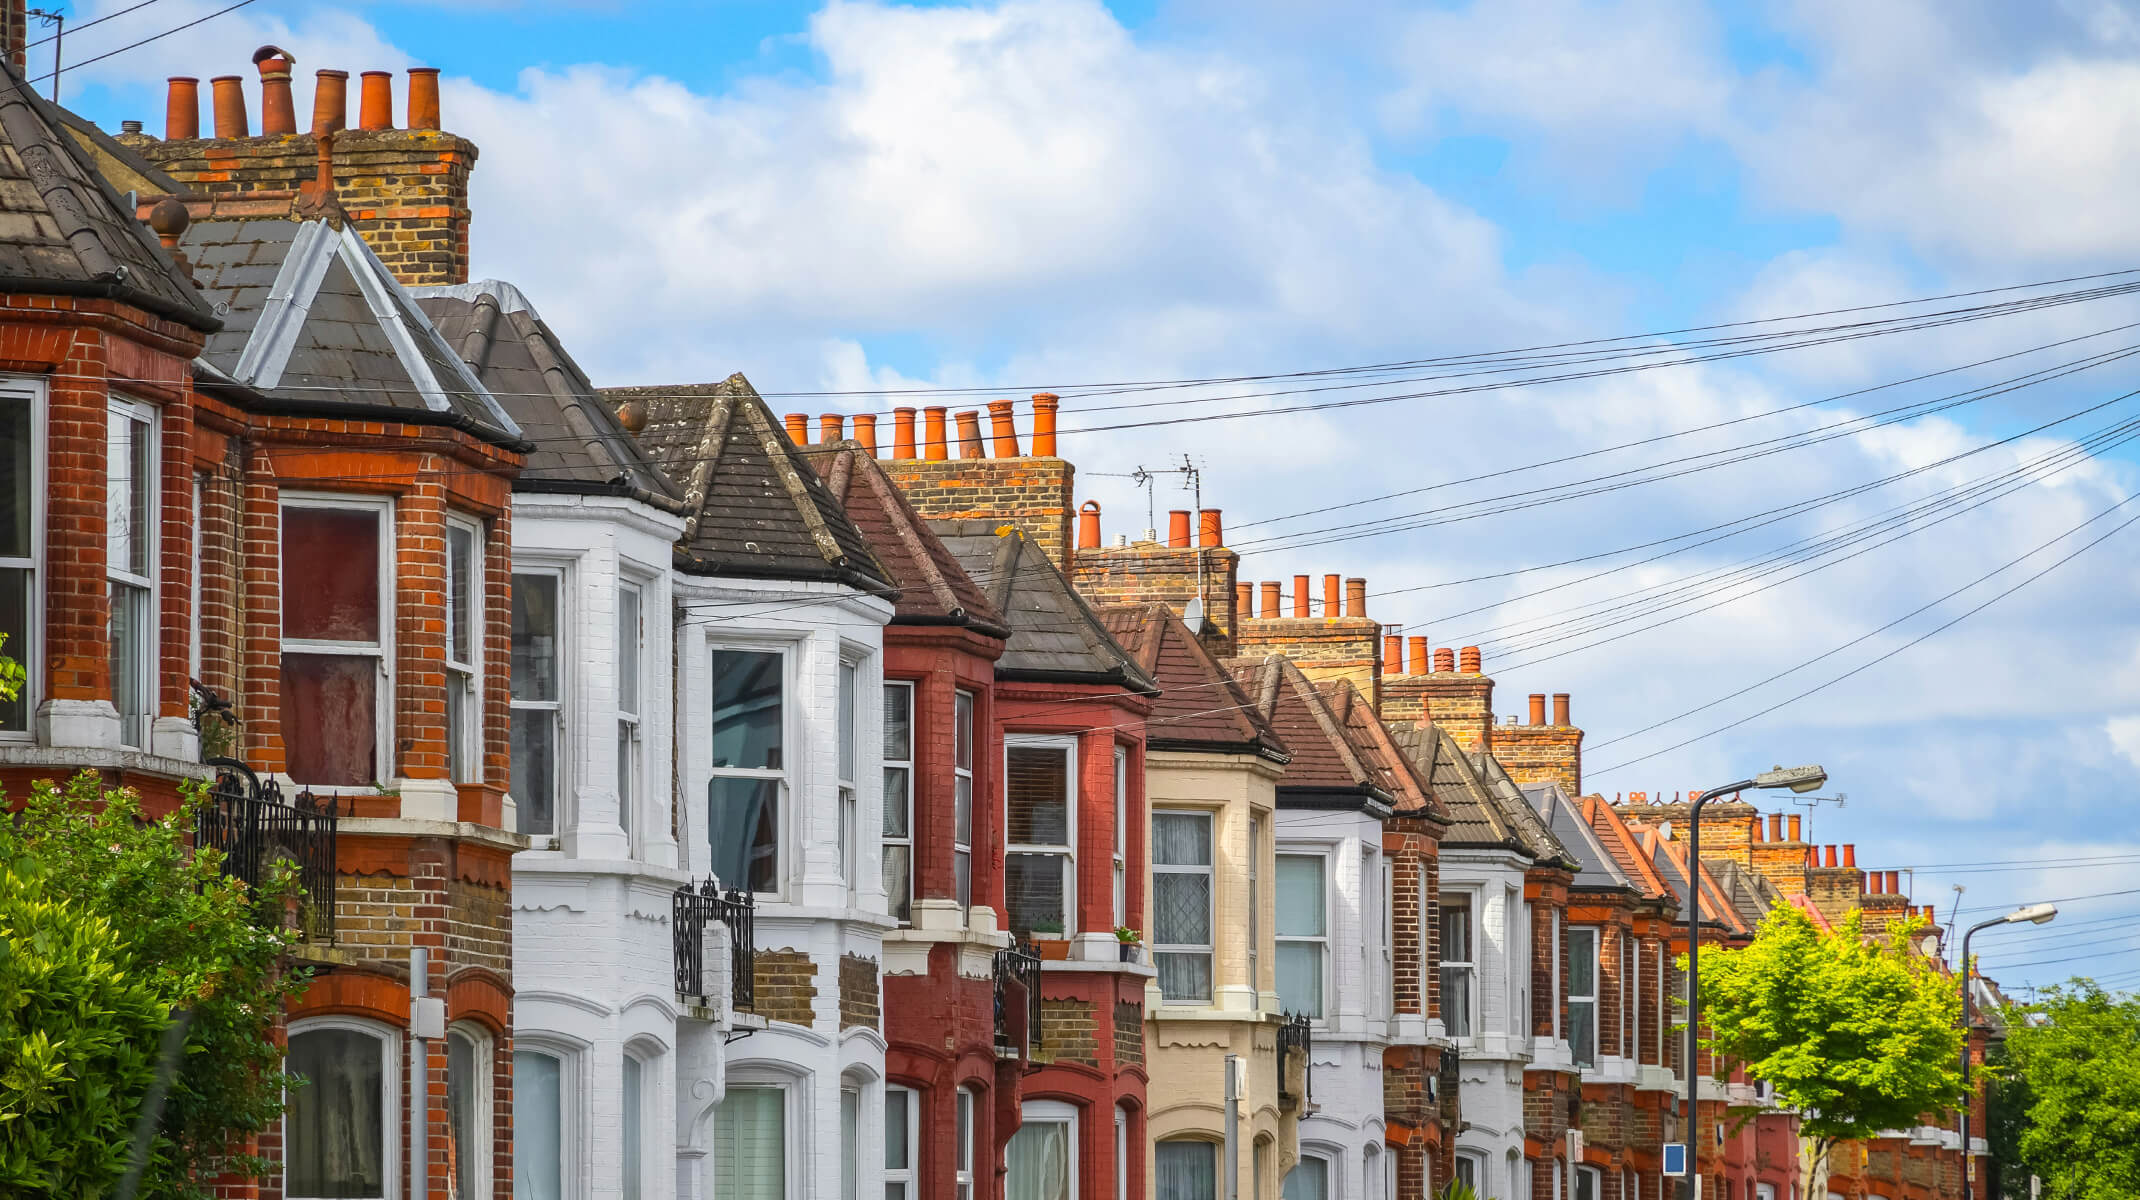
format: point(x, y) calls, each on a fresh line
point(1308, 1180)
point(1186, 1170)
point(1039, 1161)
point(750, 1145)
point(538, 1125)
point(336, 1122)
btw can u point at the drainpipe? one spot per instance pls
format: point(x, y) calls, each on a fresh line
point(1233, 1127)
point(427, 1020)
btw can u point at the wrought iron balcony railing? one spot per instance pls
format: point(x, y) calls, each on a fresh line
point(694, 909)
point(1017, 1002)
point(254, 827)
point(1295, 1050)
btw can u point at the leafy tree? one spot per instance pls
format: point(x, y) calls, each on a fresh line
point(1857, 1033)
point(188, 937)
point(2073, 1070)
point(12, 676)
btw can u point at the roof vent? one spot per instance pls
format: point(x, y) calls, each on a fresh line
point(126, 127)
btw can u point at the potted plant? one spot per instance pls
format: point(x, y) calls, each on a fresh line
point(1048, 939)
point(1130, 943)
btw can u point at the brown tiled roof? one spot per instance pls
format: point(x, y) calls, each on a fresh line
point(1619, 841)
point(1337, 759)
point(1055, 635)
point(1523, 820)
point(1200, 706)
point(753, 507)
point(1404, 781)
point(1475, 820)
point(933, 588)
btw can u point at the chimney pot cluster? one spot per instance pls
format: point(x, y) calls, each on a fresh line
point(1353, 592)
point(999, 441)
point(278, 107)
point(1468, 661)
point(970, 435)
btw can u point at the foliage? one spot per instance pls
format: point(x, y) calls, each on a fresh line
point(1857, 1033)
point(191, 938)
point(77, 1041)
point(12, 676)
point(1127, 936)
point(2072, 1070)
point(1456, 1189)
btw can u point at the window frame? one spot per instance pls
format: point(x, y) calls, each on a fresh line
point(1516, 931)
point(1034, 1112)
point(965, 1118)
point(1121, 859)
point(894, 902)
point(1066, 851)
point(31, 392)
point(1209, 870)
point(560, 576)
point(792, 1129)
point(392, 1049)
point(631, 719)
point(383, 651)
point(464, 751)
point(1333, 1173)
point(644, 1060)
point(1471, 1163)
point(964, 754)
point(1469, 964)
point(1193, 1138)
point(194, 653)
point(1255, 906)
point(486, 1100)
point(847, 746)
point(137, 729)
point(783, 775)
point(1322, 941)
point(1627, 993)
point(570, 1119)
point(907, 1177)
point(1575, 936)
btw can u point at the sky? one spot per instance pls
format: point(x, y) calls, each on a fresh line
point(848, 200)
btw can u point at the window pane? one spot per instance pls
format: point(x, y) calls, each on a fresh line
point(129, 485)
point(1308, 1180)
point(1186, 1170)
point(746, 709)
point(336, 1124)
point(628, 641)
point(462, 1112)
point(535, 637)
point(460, 592)
point(130, 669)
point(750, 1145)
point(1033, 886)
point(1183, 976)
point(627, 770)
point(335, 551)
point(896, 1101)
point(18, 496)
point(538, 1125)
point(634, 1150)
point(1038, 795)
point(1039, 1161)
point(457, 717)
point(1300, 978)
point(15, 623)
point(1456, 932)
point(1181, 908)
point(1582, 1032)
point(850, 1136)
point(329, 718)
point(962, 810)
point(848, 699)
point(898, 722)
point(962, 731)
point(743, 824)
point(962, 876)
point(535, 769)
point(1300, 895)
point(898, 880)
point(1181, 840)
point(964, 1122)
point(1582, 962)
point(898, 808)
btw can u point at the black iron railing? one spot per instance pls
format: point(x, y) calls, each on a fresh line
point(1451, 1081)
point(1017, 1002)
point(695, 908)
point(1294, 1041)
point(254, 828)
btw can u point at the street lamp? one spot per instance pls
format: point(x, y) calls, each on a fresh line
point(2034, 914)
point(1797, 779)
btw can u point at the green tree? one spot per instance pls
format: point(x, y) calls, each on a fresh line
point(190, 938)
point(2072, 1070)
point(1858, 1033)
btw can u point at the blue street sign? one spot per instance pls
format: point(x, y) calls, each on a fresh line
point(1675, 1158)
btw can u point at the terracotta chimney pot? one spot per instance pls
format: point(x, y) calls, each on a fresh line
point(1444, 659)
point(831, 427)
point(1797, 830)
point(1560, 709)
point(1300, 595)
point(1268, 603)
point(1894, 883)
point(423, 97)
point(1244, 601)
point(970, 434)
point(330, 101)
point(798, 428)
point(1393, 654)
point(1004, 427)
point(866, 432)
point(1775, 827)
point(182, 109)
point(1538, 708)
point(1044, 406)
point(1178, 528)
point(1829, 852)
point(375, 100)
point(1088, 526)
point(902, 433)
point(1850, 854)
point(1330, 596)
point(1210, 531)
point(229, 100)
point(934, 446)
point(1356, 597)
point(1757, 829)
point(1419, 656)
point(1468, 661)
point(278, 112)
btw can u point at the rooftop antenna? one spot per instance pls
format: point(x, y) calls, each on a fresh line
point(1193, 482)
point(58, 19)
point(1952, 913)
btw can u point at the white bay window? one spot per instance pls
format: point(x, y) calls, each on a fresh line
point(464, 642)
point(22, 524)
point(744, 797)
point(1459, 966)
point(335, 1128)
point(631, 655)
point(538, 698)
point(1182, 899)
point(130, 565)
point(1303, 933)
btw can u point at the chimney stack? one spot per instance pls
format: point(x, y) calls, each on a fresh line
point(1560, 709)
point(330, 101)
point(798, 426)
point(1444, 660)
point(934, 446)
point(375, 100)
point(1356, 597)
point(1005, 428)
point(1209, 531)
point(182, 109)
point(1088, 526)
point(1468, 660)
point(423, 98)
point(1268, 603)
point(229, 100)
point(1178, 529)
point(903, 433)
point(278, 112)
point(831, 427)
point(866, 432)
point(1419, 656)
point(970, 434)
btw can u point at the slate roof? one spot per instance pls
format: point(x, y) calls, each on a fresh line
point(1522, 818)
point(1342, 754)
point(1200, 706)
point(317, 324)
point(64, 230)
point(1595, 866)
point(933, 588)
point(1055, 635)
point(753, 508)
point(578, 446)
point(1475, 819)
point(1749, 893)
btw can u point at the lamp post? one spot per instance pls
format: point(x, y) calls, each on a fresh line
point(2034, 914)
point(1797, 779)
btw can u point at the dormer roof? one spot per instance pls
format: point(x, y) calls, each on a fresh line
point(933, 588)
point(1342, 756)
point(1055, 635)
point(1200, 707)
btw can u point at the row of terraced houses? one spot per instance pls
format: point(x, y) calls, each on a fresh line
point(696, 803)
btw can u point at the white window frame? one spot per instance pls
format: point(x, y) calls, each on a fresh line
point(560, 577)
point(1209, 871)
point(631, 710)
point(1475, 1161)
point(850, 1143)
point(137, 728)
point(31, 393)
point(1516, 930)
point(1374, 942)
point(964, 1135)
point(1557, 977)
point(1121, 877)
point(893, 903)
point(464, 754)
point(965, 729)
point(1469, 902)
point(480, 1139)
point(1577, 934)
point(571, 1121)
point(908, 1177)
point(793, 1132)
point(1255, 905)
point(646, 1056)
point(1597, 1182)
point(847, 744)
point(1329, 992)
point(1067, 851)
point(382, 651)
point(1036, 1112)
point(392, 1049)
point(1122, 1153)
point(783, 775)
point(193, 650)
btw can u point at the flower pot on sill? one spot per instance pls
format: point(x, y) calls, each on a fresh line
point(1132, 952)
point(1052, 949)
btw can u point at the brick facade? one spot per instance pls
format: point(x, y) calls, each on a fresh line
point(1033, 493)
point(785, 985)
point(859, 1004)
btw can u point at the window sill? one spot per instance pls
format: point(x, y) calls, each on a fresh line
point(99, 758)
point(1099, 967)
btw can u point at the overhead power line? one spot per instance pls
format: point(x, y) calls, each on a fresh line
point(76, 66)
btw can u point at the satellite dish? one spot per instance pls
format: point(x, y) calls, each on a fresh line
point(1930, 945)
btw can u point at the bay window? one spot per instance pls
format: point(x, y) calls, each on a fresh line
point(1303, 933)
point(538, 699)
point(335, 1126)
point(902, 1142)
point(1459, 967)
point(1186, 1170)
point(1515, 918)
point(464, 640)
point(744, 795)
point(1040, 862)
point(468, 1109)
point(1041, 1158)
point(1583, 995)
point(633, 1128)
point(631, 655)
point(962, 1173)
point(130, 565)
point(539, 1124)
point(962, 798)
point(750, 1144)
point(846, 760)
point(336, 661)
point(1182, 904)
point(1308, 1180)
point(1121, 879)
point(896, 854)
point(22, 524)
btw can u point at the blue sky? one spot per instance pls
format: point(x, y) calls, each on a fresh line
point(855, 196)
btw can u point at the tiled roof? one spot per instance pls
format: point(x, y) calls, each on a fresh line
point(64, 230)
point(752, 507)
point(1538, 841)
point(1750, 894)
point(1595, 866)
point(1475, 819)
point(578, 445)
point(1200, 706)
point(1670, 857)
point(1413, 795)
point(933, 588)
point(317, 324)
point(1340, 753)
point(1619, 841)
point(1055, 635)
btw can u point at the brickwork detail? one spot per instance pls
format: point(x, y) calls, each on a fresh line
point(1034, 493)
point(1459, 702)
point(1348, 648)
point(1129, 1034)
point(859, 1005)
point(786, 986)
point(1546, 754)
point(1070, 1031)
point(1150, 572)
